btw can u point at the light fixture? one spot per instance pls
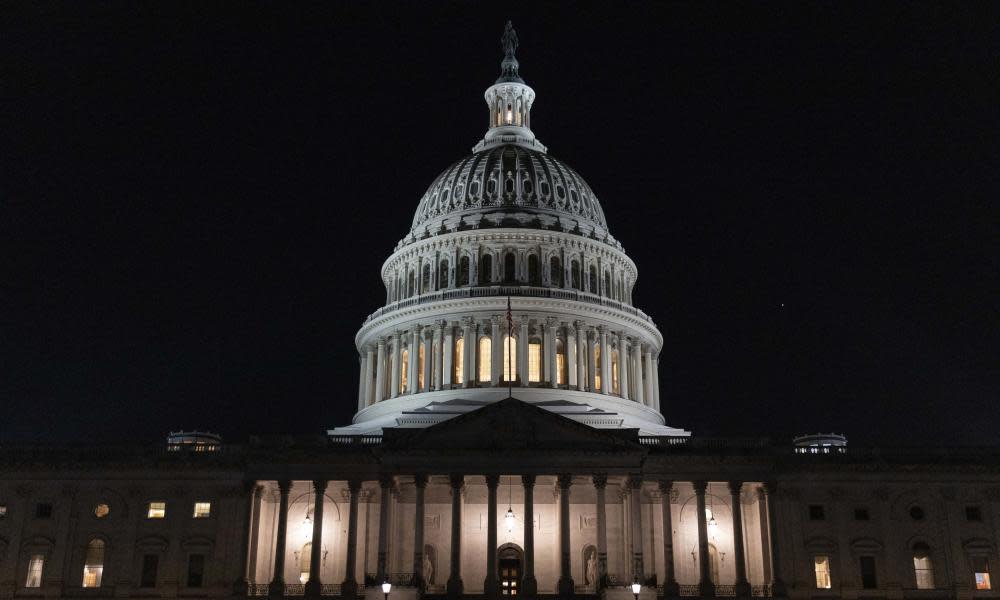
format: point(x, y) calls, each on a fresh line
point(509, 517)
point(636, 588)
point(386, 587)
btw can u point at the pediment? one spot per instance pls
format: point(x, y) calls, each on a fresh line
point(511, 424)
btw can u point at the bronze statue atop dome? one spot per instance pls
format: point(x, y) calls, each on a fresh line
point(509, 40)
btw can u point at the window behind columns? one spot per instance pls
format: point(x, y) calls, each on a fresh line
point(459, 361)
point(404, 369)
point(560, 362)
point(614, 372)
point(509, 358)
point(535, 361)
point(485, 359)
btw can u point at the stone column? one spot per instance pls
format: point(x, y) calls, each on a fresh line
point(496, 347)
point(469, 341)
point(765, 535)
point(777, 583)
point(570, 355)
point(428, 341)
point(369, 373)
point(565, 480)
point(277, 588)
point(455, 579)
point(314, 587)
point(638, 568)
point(420, 483)
point(397, 367)
point(241, 585)
point(448, 356)
point(656, 383)
point(413, 373)
point(592, 359)
point(361, 379)
point(258, 493)
point(623, 364)
point(522, 351)
point(600, 483)
point(439, 356)
point(671, 589)
point(385, 485)
point(637, 373)
point(491, 585)
point(706, 586)
point(581, 356)
point(349, 588)
point(551, 332)
point(529, 585)
point(605, 360)
point(742, 585)
point(380, 372)
point(647, 358)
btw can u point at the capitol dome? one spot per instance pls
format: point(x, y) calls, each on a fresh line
point(509, 284)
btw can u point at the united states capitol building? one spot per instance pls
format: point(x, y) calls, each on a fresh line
point(509, 440)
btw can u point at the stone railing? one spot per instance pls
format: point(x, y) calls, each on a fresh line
point(295, 589)
point(761, 591)
point(357, 440)
point(258, 589)
point(690, 591)
point(510, 290)
point(725, 591)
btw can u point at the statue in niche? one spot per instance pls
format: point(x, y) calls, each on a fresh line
point(427, 569)
point(591, 570)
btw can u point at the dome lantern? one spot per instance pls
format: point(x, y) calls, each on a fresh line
point(509, 101)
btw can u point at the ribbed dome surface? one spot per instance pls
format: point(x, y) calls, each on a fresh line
point(510, 179)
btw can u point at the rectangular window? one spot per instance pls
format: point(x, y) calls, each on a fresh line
point(156, 510)
point(35, 565)
point(981, 568)
point(861, 514)
point(534, 362)
point(821, 565)
point(816, 512)
point(868, 579)
point(485, 359)
point(150, 564)
point(973, 513)
point(923, 570)
point(459, 361)
point(202, 510)
point(196, 570)
point(43, 510)
point(560, 368)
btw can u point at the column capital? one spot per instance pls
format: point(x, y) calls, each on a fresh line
point(735, 487)
point(495, 320)
point(602, 329)
point(380, 341)
point(492, 481)
point(420, 480)
point(564, 480)
point(564, 325)
point(385, 480)
point(396, 335)
point(441, 325)
point(354, 485)
point(600, 480)
point(319, 485)
point(578, 324)
point(457, 481)
point(550, 322)
point(528, 480)
point(468, 321)
point(769, 488)
point(700, 487)
point(665, 486)
point(284, 485)
point(417, 328)
point(635, 481)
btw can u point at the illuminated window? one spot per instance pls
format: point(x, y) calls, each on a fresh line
point(614, 372)
point(420, 367)
point(923, 568)
point(821, 564)
point(509, 358)
point(981, 568)
point(93, 564)
point(196, 570)
point(534, 362)
point(404, 370)
point(305, 558)
point(101, 510)
point(156, 510)
point(459, 361)
point(202, 510)
point(597, 366)
point(35, 565)
point(867, 566)
point(485, 359)
point(560, 362)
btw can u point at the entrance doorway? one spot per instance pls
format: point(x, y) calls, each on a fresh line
point(509, 556)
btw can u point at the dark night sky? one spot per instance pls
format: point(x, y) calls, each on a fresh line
point(198, 203)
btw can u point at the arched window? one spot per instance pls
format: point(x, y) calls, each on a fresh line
point(575, 275)
point(509, 271)
point(459, 361)
point(463, 271)
point(593, 280)
point(923, 568)
point(443, 275)
point(509, 358)
point(411, 285)
point(560, 362)
point(404, 369)
point(425, 280)
point(420, 368)
point(486, 269)
point(534, 271)
point(485, 359)
point(534, 361)
point(555, 272)
point(597, 367)
point(305, 557)
point(607, 283)
point(93, 564)
point(614, 372)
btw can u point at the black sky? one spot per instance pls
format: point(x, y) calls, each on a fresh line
point(198, 201)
